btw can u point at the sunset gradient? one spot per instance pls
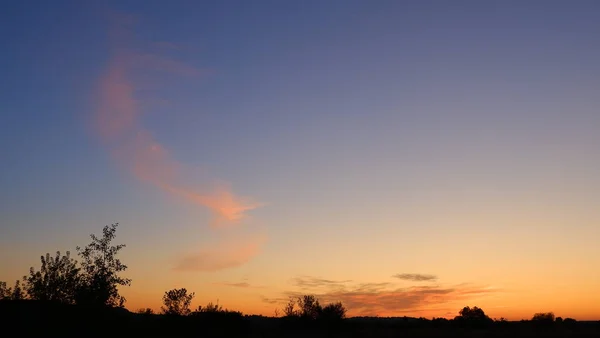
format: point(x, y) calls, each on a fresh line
point(407, 158)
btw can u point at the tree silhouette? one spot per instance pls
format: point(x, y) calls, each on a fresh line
point(309, 307)
point(17, 292)
point(177, 302)
point(100, 271)
point(474, 316)
point(5, 291)
point(333, 311)
point(472, 313)
point(14, 293)
point(289, 308)
point(57, 280)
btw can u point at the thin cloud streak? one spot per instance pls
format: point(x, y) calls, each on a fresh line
point(308, 282)
point(242, 285)
point(415, 277)
point(268, 300)
point(236, 285)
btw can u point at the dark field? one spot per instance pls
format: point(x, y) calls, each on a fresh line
point(41, 319)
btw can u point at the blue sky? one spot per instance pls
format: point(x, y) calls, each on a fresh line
point(372, 131)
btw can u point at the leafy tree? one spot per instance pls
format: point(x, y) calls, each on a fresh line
point(333, 311)
point(474, 316)
point(309, 307)
point(472, 313)
point(57, 280)
point(543, 318)
point(17, 292)
point(177, 302)
point(289, 309)
point(100, 270)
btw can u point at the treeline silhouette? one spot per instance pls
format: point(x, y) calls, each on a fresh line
point(66, 297)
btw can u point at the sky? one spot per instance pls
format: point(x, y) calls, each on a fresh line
point(407, 158)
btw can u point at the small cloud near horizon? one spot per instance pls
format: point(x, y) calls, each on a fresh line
point(415, 277)
point(306, 282)
point(236, 285)
point(244, 285)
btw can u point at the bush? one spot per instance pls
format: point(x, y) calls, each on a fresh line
point(333, 312)
point(57, 279)
point(544, 318)
point(177, 302)
point(145, 311)
point(310, 309)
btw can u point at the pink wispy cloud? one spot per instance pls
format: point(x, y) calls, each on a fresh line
point(134, 148)
point(222, 256)
point(117, 122)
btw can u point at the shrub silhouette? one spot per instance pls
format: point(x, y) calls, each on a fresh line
point(543, 317)
point(57, 280)
point(145, 311)
point(310, 309)
point(210, 308)
point(333, 312)
point(473, 316)
point(177, 302)
point(569, 322)
point(216, 314)
point(100, 271)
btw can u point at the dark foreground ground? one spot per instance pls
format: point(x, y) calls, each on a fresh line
point(35, 319)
